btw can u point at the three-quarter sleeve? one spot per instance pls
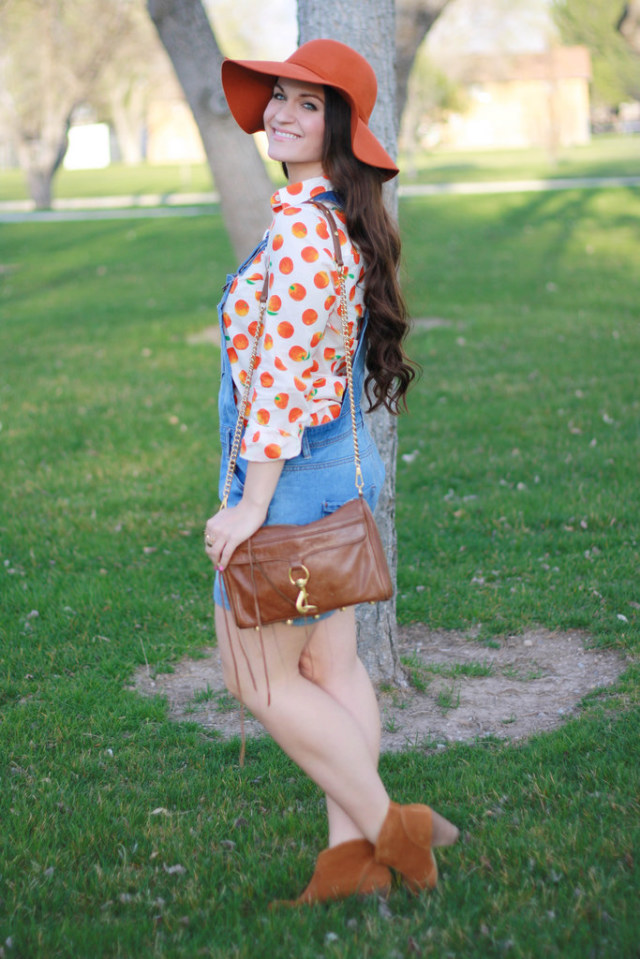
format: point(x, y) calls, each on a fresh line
point(302, 308)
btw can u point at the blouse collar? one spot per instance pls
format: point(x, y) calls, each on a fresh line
point(293, 194)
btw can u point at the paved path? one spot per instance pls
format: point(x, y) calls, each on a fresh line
point(197, 204)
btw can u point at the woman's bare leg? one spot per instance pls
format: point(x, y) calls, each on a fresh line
point(310, 724)
point(330, 660)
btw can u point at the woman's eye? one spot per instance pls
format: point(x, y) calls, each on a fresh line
point(310, 106)
point(276, 95)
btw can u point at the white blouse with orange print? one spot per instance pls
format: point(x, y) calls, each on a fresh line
point(300, 374)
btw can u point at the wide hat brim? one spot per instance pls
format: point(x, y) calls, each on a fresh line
point(248, 86)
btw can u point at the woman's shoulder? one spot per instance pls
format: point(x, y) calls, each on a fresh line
point(303, 225)
point(305, 222)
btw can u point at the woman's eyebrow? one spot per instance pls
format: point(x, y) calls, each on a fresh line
point(303, 95)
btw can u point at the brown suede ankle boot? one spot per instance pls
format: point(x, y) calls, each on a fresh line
point(405, 843)
point(344, 870)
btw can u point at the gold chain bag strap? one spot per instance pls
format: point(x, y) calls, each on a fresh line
point(287, 571)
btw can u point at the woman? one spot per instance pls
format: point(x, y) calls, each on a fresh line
point(311, 691)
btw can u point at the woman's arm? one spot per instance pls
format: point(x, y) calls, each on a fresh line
point(232, 526)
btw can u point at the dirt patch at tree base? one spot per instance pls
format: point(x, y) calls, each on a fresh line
point(511, 688)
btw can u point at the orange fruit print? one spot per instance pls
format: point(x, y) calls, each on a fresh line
point(273, 451)
point(285, 330)
point(286, 265)
point(297, 291)
point(281, 400)
point(298, 354)
point(299, 230)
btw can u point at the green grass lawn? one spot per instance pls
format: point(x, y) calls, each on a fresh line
point(604, 156)
point(125, 834)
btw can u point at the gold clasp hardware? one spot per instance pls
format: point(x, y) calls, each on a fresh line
point(359, 480)
point(302, 604)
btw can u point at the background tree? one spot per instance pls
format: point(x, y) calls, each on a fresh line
point(239, 173)
point(432, 94)
point(414, 19)
point(135, 69)
point(51, 54)
point(369, 27)
point(629, 24)
point(594, 23)
point(236, 166)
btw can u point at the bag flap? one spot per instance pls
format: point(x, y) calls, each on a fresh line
point(290, 543)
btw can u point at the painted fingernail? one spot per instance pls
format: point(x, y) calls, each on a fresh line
point(220, 569)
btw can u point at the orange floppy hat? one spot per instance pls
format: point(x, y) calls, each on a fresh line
point(248, 86)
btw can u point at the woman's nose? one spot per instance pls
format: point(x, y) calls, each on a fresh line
point(284, 112)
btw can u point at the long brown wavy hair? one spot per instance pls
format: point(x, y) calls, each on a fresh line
point(389, 370)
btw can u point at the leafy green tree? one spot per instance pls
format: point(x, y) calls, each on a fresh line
point(594, 23)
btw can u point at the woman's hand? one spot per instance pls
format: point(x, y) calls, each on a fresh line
point(230, 527)
point(227, 529)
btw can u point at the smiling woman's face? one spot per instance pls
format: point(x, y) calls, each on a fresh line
point(294, 124)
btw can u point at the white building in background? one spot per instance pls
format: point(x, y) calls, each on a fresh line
point(524, 100)
point(89, 147)
point(521, 87)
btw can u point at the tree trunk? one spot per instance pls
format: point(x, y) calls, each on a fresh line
point(39, 184)
point(237, 168)
point(629, 24)
point(414, 19)
point(127, 108)
point(369, 28)
point(40, 158)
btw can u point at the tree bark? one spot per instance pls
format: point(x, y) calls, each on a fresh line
point(369, 27)
point(238, 171)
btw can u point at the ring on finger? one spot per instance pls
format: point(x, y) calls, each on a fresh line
point(208, 541)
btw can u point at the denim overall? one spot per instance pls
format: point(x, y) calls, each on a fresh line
point(322, 477)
